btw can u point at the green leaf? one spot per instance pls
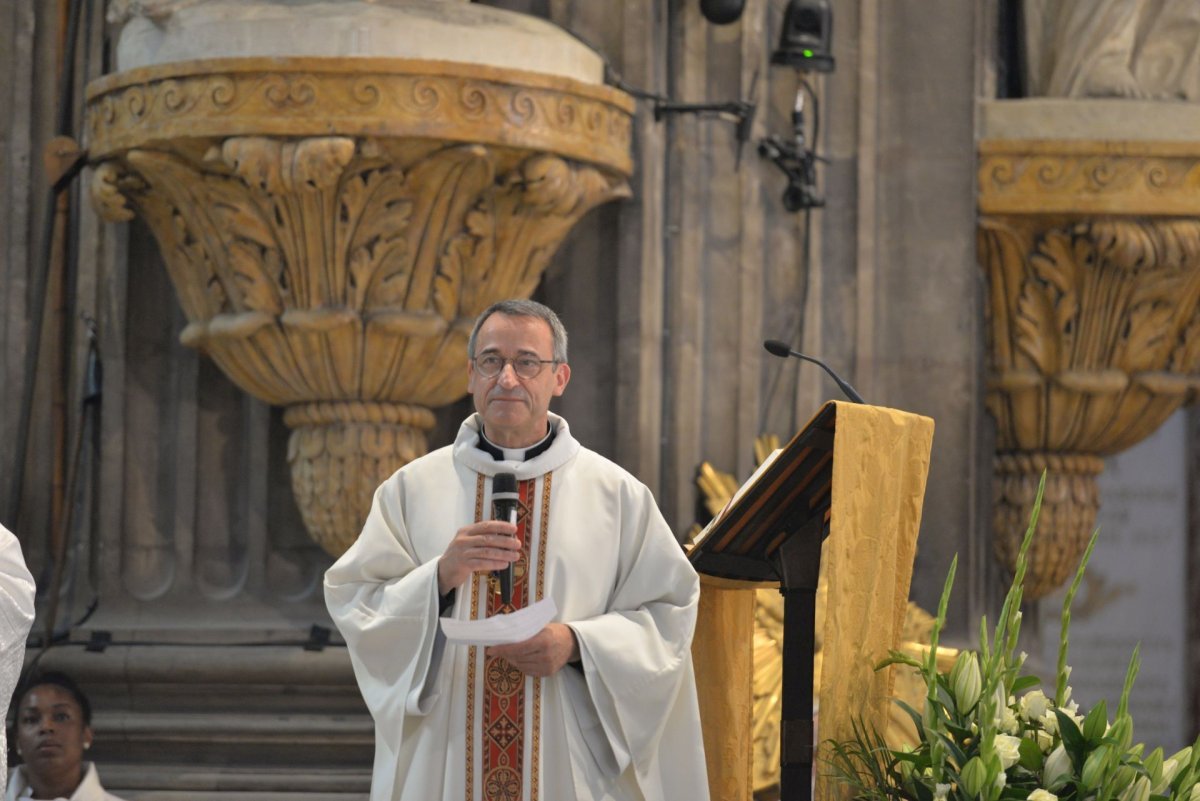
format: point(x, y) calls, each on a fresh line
point(1060, 686)
point(960, 756)
point(1154, 765)
point(915, 715)
point(898, 658)
point(1031, 756)
point(1024, 683)
point(1135, 663)
point(1072, 739)
point(1096, 723)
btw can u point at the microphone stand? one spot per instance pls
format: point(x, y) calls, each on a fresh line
point(780, 349)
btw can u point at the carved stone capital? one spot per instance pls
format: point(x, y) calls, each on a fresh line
point(1094, 324)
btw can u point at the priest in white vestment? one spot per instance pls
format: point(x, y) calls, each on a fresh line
point(601, 704)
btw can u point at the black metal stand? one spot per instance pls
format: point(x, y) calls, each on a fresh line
point(798, 563)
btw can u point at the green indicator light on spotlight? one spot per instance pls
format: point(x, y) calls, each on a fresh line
point(808, 54)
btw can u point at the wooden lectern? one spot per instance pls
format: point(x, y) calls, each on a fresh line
point(851, 465)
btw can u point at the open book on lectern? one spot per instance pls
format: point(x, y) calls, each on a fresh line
point(789, 495)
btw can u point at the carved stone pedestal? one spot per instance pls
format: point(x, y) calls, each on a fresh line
point(1092, 256)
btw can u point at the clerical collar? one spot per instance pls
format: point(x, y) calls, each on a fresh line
point(516, 454)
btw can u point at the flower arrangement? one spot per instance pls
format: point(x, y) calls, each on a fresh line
point(988, 732)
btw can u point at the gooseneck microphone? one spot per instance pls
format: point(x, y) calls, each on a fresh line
point(780, 349)
point(505, 499)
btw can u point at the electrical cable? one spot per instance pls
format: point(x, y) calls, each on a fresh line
point(805, 253)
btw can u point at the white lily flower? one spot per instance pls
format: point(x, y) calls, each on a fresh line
point(1058, 766)
point(1008, 749)
point(1042, 795)
point(1044, 740)
point(940, 792)
point(1034, 705)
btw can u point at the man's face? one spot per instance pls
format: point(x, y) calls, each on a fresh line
point(514, 409)
point(50, 731)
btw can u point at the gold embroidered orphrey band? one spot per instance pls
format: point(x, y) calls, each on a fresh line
point(504, 699)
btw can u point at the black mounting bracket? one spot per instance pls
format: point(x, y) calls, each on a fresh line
point(740, 112)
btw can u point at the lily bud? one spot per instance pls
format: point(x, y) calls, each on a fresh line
point(1094, 767)
point(1169, 769)
point(966, 681)
point(1138, 791)
point(973, 776)
point(1183, 756)
point(1123, 778)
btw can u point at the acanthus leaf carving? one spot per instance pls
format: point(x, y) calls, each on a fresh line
point(539, 201)
point(469, 256)
point(374, 214)
point(461, 178)
point(107, 194)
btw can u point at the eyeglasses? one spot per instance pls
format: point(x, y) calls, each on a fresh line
point(490, 365)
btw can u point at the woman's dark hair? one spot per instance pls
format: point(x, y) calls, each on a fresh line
point(57, 679)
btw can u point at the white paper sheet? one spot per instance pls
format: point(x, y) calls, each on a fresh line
point(501, 629)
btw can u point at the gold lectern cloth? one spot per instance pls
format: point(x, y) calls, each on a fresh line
point(880, 466)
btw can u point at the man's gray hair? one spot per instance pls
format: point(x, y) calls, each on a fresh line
point(524, 308)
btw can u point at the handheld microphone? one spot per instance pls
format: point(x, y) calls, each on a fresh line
point(780, 349)
point(505, 499)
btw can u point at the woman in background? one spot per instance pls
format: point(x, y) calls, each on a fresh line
point(53, 730)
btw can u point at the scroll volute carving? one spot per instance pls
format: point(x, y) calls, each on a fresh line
point(339, 275)
point(1094, 343)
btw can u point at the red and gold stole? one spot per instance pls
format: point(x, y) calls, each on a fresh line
point(505, 693)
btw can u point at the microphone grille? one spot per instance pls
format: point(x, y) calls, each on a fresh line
point(777, 348)
point(504, 482)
